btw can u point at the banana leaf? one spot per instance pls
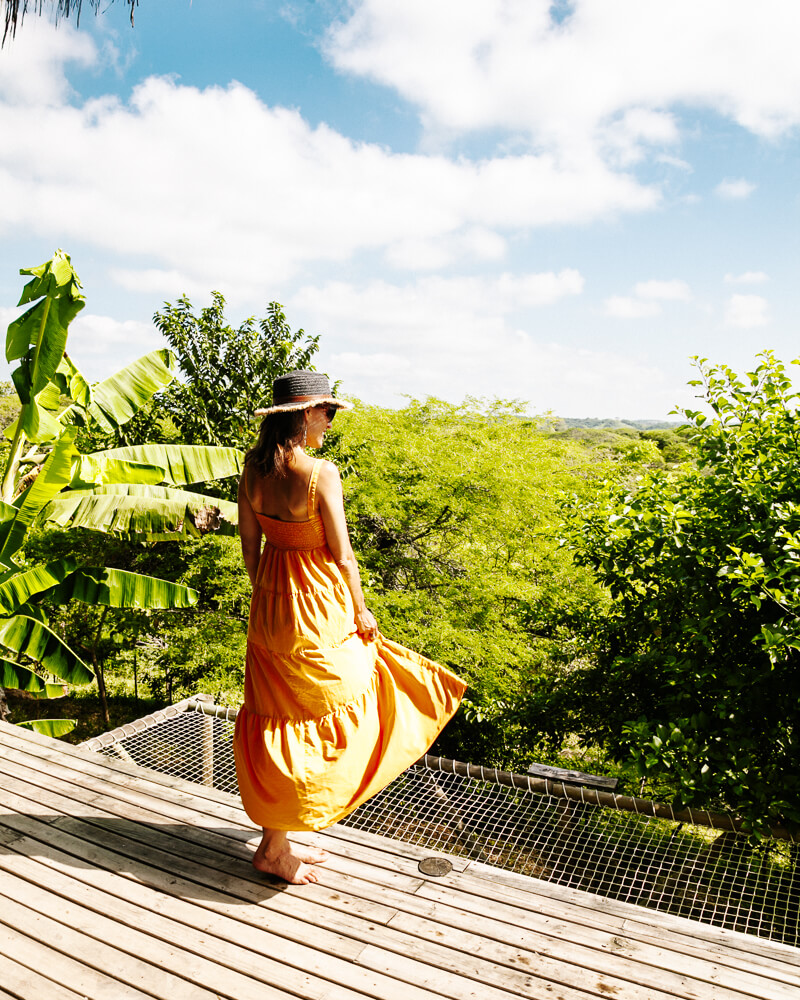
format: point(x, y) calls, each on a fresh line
point(97, 469)
point(119, 588)
point(118, 398)
point(22, 634)
point(20, 587)
point(35, 422)
point(19, 678)
point(50, 397)
point(56, 273)
point(152, 513)
point(50, 727)
point(51, 480)
point(39, 336)
point(183, 464)
point(70, 382)
point(12, 675)
point(7, 512)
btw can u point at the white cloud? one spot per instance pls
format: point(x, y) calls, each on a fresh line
point(734, 190)
point(746, 278)
point(101, 345)
point(675, 290)
point(747, 311)
point(450, 338)
point(140, 180)
point(625, 307)
point(32, 64)
point(465, 310)
point(627, 139)
point(646, 299)
point(437, 253)
point(675, 161)
point(508, 64)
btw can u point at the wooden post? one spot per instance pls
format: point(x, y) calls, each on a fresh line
point(207, 743)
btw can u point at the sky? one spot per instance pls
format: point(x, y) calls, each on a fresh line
point(557, 202)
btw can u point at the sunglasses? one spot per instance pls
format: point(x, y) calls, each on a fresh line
point(330, 410)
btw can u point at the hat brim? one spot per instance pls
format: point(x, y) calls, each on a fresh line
point(305, 404)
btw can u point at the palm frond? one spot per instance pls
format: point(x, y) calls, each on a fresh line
point(15, 10)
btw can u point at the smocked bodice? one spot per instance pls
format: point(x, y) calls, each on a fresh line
point(302, 535)
point(297, 535)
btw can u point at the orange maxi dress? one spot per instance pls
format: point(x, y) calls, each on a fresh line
point(329, 718)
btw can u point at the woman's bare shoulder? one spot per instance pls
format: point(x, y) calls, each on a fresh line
point(329, 472)
point(328, 478)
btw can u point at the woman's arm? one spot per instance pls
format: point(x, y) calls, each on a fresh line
point(331, 508)
point(249, 532)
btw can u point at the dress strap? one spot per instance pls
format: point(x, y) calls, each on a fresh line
point(312, 488)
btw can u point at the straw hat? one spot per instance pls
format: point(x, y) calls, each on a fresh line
point(299, 390)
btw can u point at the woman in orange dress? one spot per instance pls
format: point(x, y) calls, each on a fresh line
point(333, 711)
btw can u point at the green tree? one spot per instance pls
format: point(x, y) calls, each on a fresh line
point(697, 669)
point(454, 513)
point(226, 373)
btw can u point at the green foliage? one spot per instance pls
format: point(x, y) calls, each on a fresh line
point(660, 446)
point(58, 473)
point(49, 727)
point(697, 669)
point(454, 516)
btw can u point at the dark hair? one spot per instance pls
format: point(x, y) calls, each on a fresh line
point(279, 433)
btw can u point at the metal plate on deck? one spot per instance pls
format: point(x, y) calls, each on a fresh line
point(435, 866)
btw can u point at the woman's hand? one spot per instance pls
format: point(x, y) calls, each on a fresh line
point(366, 625)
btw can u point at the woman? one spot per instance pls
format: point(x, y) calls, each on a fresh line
point(332, 710)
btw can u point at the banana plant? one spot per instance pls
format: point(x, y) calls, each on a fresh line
point(132, 492)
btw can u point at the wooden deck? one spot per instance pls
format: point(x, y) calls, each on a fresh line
point(119, 883)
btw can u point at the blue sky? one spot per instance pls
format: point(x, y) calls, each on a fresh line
point(554, 202)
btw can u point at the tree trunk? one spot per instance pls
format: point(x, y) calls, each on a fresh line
point(98, 669)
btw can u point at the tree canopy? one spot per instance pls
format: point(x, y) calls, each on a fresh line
point(696, 667)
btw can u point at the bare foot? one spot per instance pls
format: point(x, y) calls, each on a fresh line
point(310, 855)
point(286, 866)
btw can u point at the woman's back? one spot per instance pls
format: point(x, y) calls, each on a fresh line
point(282, 499)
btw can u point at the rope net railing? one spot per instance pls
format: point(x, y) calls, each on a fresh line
point(695, 865)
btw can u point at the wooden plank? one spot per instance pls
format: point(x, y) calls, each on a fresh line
point(600, 958)
point(21, 982)
point(211, 801)
point(532, 900)
point(52, 749)
point(102, 971)
point(503, 921)
point(173, 969)
point(418, 955)
point(327, 958)
point(500, 884)
point(83, 840)
point(501, 954)
point(393, 864)
point(626, 971)
point(226, 942)
point(219, 892)
point(413, 966)
point(484, 970)
point(459, 987)
point(351, 837)
point(567, 777)
point(143, 825)
point(370, 887)
point(59, 778)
